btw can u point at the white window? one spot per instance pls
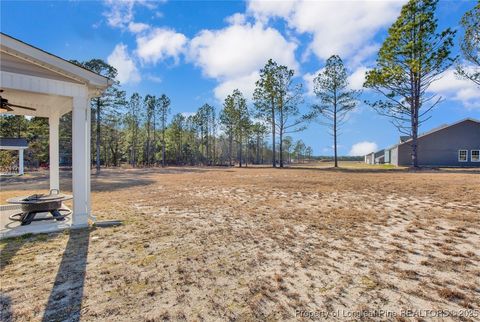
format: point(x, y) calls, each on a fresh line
point(475, 155)
point(462, 155)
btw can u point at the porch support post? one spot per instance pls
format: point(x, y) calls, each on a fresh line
point(81, 161)
point(20, 162)
point(53, 122)
point(89, 154)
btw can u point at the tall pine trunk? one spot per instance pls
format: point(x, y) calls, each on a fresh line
point(230, 147)
point(163, 146)
point(335, 130)
point(415, 100)
point(247, 151)
point(148, 144)
point(274, 161)
point(163, 139)
point(335, 144)
point(281, 147)
point(261, 152)
point(281, 138)
point(240, 153)
point(415, 138)
point(257, 152)
point(154, 140)
point(213, 150)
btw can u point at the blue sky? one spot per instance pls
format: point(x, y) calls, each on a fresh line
point(196, 52)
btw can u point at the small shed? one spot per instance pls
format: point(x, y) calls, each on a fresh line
point(16, 144)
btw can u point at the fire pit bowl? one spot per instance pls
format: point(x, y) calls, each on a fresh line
point(38, 203)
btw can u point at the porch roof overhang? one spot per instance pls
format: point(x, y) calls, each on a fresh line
point(34, 78)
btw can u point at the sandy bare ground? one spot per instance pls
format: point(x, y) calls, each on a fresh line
point(204, 244)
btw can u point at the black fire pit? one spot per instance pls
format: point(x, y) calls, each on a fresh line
point(38, 203)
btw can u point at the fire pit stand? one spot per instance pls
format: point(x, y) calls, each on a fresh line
point(40, 203)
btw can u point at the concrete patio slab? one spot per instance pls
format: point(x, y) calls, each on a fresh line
point(10, 228)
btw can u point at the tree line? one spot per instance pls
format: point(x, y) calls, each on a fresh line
point(135, 129)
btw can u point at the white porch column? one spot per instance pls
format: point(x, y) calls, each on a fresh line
point(54, 161)
point(81, 161)
point(89, 161)
point(20, 162)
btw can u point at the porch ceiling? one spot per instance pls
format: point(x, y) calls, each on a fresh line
point(44, 105)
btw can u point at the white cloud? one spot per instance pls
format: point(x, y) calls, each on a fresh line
point(137, 27)
point(363, 148)
point(308, 80)
point(153, 44)
point(338, 27)
point(453, 87)
point(236, 19)
point(153, 78)
point(264, 10)
point(238, 50)
point(245, 84)
point(121, 60)
point(120, 13)
point(363, 55)
point(357, 78)
point(160, 44)
point(234, 55)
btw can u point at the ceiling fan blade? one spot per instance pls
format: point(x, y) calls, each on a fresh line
point(8, 106)
point(20, 106)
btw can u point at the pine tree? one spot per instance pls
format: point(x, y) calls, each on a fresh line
point(227, 120)
point(149, 103)
point(265, 100)
point(163, 109)
point(470, 45)
point(133, 124)
point(412, 57)
point(336, 100)
point(277, 99)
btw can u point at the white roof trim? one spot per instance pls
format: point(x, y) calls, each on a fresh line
point(8, 147)
point(54, 63)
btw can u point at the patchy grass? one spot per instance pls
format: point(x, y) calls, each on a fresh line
point(252, 244)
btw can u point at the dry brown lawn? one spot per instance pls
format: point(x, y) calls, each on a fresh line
point(203, 244)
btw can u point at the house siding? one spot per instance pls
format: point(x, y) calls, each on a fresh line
point(394, 156)
point(404, 154)
point(440, 148)
point(387, 156)
point(369, 158)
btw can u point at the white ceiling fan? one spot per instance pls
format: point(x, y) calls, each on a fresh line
point(8, 107)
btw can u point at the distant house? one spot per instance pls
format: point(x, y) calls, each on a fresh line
point(454, 145)
point(375, 157)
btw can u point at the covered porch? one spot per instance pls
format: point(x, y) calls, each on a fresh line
point(37, 83)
